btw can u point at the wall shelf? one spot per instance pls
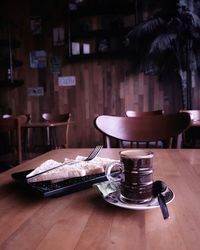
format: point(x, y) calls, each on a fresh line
point(102, 27)
point(8, 62)
point(101, 32)
point(103, 9)
point(8, 84)
point(14, 43)
point(103, 55)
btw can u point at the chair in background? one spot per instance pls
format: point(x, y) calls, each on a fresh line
point(11, 139)
point(132, 113)
point(192, 135)
point(165, 128)
point(194, 114)
point(6, 115)
point(51, 130)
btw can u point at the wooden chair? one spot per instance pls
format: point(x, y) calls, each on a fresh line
point(11, 139)
point(192, 134)
point(132, 113)
point(194, 114)
point(165, 128)
point(51, 131)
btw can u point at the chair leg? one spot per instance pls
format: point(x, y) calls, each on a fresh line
point(54, 141)
point(48, 136)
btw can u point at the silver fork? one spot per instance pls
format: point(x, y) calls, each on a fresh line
point(90, 157)
point(94, 153)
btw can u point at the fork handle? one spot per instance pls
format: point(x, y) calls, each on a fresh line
point(47, 170)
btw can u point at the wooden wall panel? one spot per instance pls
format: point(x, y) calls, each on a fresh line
point(102, 86)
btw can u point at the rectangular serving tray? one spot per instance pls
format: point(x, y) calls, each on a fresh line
point(49, 189)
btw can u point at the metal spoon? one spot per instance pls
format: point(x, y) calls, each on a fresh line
point(158, 188)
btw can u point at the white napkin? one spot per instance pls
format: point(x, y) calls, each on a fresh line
point(72, 168)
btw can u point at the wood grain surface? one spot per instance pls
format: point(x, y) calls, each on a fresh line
point(83, 220)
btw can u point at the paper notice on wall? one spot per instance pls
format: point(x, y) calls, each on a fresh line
point(66, 81)
point(75, 48)
point(86, 48)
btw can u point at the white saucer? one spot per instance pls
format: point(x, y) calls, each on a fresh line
point(113, 198)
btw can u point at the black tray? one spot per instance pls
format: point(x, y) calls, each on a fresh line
point(49, 189)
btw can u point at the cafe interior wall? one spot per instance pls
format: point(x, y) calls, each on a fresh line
point(103, 86)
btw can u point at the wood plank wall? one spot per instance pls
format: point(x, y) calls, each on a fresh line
point(103, 86)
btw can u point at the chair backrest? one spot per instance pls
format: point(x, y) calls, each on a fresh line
point(191, 136)
point(49, 117)
point(194, 114)
point(12, 126)
point(144, 128)
point(132, 113)
point(6, 115)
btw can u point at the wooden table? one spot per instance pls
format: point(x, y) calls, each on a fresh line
point(50, 128)
point(83, 220)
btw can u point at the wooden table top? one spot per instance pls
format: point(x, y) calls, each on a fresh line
point(83, 220)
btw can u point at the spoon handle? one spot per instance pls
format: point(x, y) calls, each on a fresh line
point(163, 206)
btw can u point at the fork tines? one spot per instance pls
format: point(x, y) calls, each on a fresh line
point(94, 153)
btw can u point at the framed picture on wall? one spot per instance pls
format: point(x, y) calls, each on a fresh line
point(36, 25)
point(58, 36)
point(103, 44)
point(38, 59)
point(55, 63)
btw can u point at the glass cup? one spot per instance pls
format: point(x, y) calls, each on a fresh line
point(135, 177)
